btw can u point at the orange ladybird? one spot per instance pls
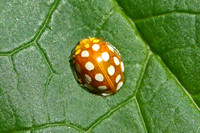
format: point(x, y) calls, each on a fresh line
point(97, 66)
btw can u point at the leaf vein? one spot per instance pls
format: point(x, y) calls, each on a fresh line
point(167, 13)
point(51, 125)
point(108, 114)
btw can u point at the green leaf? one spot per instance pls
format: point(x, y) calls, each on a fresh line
point(159, 42)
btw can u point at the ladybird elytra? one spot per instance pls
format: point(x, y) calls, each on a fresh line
point(97, 66)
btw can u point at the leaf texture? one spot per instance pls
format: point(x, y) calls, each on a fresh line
point(159, 42)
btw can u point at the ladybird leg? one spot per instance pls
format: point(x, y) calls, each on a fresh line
point(73, 56)
point(100, 39)
point(80, 81)
point(73, 61)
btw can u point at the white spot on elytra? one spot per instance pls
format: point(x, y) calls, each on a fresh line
point(122, 66)
point(111, 70)
point(78, 68)
point(85, 53)
point(95, 47)
point(106, 94)
point(99, 59)
point(88, 78)
point(105, 56)
point(102, 87)
point(99, 77)
point(89, 66)
point(111, 48)
point(116, 60)
point(119, 85)
point(118, 78)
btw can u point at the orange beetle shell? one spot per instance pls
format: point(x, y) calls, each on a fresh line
point(97, 66)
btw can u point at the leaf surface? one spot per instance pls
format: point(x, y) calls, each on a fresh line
point(159, 42)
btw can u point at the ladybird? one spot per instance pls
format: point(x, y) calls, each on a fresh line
point(97, 66)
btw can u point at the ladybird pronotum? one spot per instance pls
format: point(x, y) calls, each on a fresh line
point(97, 66)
